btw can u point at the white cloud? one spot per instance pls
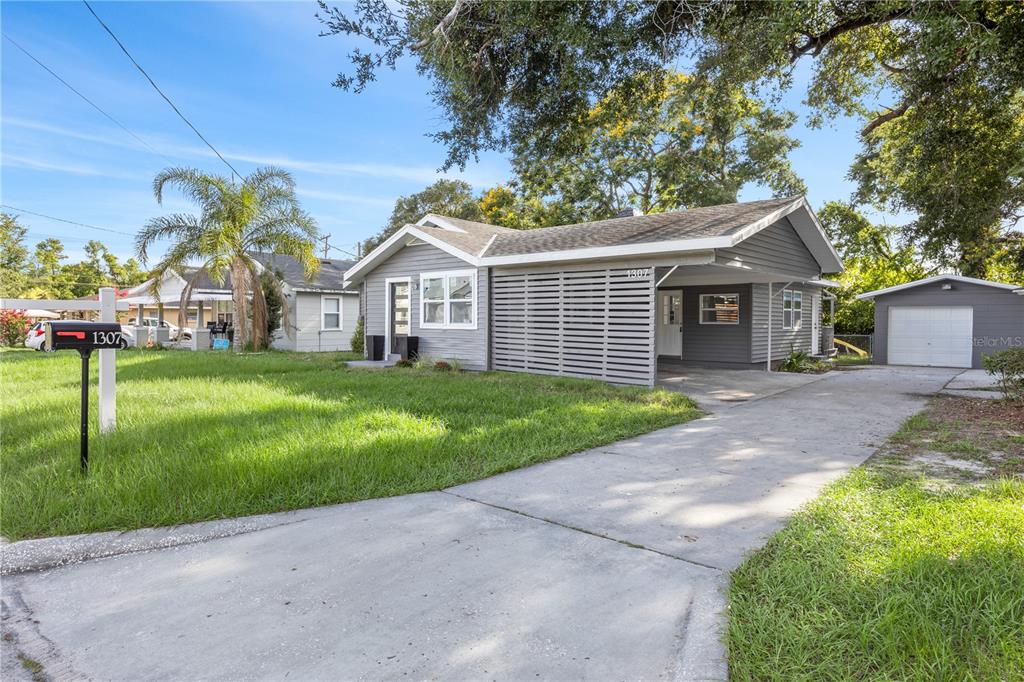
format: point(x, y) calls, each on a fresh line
point(423, 175)
point(345, 198)
point(15, 161)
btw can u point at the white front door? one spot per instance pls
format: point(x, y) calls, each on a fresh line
point(936, 336)
point(815, 324)
point(670, 323)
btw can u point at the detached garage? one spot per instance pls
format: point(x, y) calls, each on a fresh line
point(946, 321)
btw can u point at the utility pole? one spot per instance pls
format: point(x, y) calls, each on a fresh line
point(326, 245)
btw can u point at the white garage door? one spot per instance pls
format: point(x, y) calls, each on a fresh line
point(939, 337)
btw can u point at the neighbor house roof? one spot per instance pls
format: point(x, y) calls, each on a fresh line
point(712, 227)
point(939, 278)
point(330, 277)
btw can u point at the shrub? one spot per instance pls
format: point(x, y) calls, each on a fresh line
point(14, 327)
point(801, 362)
point(442, 366)
point(405, 363)
point(1008, 368)
point(359, 337)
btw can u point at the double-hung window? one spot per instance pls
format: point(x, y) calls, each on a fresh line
point(448, 300)
point(792, 309)
point(719, 308)
point(330, 312)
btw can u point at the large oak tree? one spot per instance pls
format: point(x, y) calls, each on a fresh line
point(515, 73)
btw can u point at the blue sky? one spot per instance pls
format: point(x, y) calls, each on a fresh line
point(255, 79)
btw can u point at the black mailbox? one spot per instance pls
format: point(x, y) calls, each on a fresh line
point(82, 336)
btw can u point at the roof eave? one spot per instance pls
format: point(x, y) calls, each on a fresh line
point(938, 278)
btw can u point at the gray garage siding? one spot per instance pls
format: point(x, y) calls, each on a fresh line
point(998, 315)
point(468, 346)
point(777, 248)
point(589, 321)
point(783, 340)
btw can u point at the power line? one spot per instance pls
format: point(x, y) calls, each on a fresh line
point(157, 88)
point(64, 220)
point(87, 100)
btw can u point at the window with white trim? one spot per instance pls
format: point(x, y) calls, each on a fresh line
point(448, 300)
point(330, 312)
point(719, 308)
point(792, 309)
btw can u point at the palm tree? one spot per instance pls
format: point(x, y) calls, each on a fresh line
point(235, 219)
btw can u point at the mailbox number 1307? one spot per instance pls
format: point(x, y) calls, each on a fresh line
point(106, 338)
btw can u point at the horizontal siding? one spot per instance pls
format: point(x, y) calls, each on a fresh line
point(590, 322)
point(998, 315)
point(716, 342)
point(777, 248)
point(468, 346)
point(306, 334)
point(783, 340)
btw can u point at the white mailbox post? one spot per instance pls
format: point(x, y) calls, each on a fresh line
point(107, 306)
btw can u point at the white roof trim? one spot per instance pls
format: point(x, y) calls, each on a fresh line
point(821, 282)
point(1019, 292)
point(441, 222)
point(397, 241)
point(939, 278)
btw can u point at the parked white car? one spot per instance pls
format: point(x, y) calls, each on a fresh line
point(175, 333)
point(36, 337)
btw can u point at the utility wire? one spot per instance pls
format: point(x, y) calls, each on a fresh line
point(64, 220)
point(157, 88)
point(87, 100)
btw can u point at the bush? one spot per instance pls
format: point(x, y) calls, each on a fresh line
point(14, 327)
point(442, 366)
point(801, 362)
point(405, 363)
point(359, 338)
point(1008, 368)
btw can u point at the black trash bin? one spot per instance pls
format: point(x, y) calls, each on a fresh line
point(375, 346)
point(408, 347)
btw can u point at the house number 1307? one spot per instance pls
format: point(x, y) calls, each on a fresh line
point(643, 273)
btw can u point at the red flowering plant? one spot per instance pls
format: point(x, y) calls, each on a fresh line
point(14, 327)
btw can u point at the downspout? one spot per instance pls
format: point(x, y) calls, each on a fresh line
point(768, 361)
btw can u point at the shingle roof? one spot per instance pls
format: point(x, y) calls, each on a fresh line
point(204, 282)
point(331, 276)
point(695, 223)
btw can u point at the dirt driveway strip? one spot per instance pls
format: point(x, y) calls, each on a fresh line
point(607, 564)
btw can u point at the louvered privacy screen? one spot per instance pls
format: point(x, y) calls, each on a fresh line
point(589, 323)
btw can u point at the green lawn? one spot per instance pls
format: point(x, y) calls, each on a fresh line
point(214, 435)
point(909, 568)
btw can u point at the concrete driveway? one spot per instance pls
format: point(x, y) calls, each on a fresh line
point(606, 564)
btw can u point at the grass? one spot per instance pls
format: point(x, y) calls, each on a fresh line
point(887, 576)
point(215, 435)
point(851, 359)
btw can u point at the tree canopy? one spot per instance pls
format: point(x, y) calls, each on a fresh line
point(682, 142)
point(936, 84)
point(453, 198)
point(45, 274)
point(874, 258)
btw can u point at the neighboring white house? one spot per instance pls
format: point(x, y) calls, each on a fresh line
point(323, 314)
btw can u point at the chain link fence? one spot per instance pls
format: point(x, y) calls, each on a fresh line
point(865, 342)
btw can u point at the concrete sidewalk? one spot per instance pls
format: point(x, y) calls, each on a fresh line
point(606, 564)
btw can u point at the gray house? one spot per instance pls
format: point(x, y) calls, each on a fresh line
point(323, 313)
point(946, 321)
point(733, 285)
